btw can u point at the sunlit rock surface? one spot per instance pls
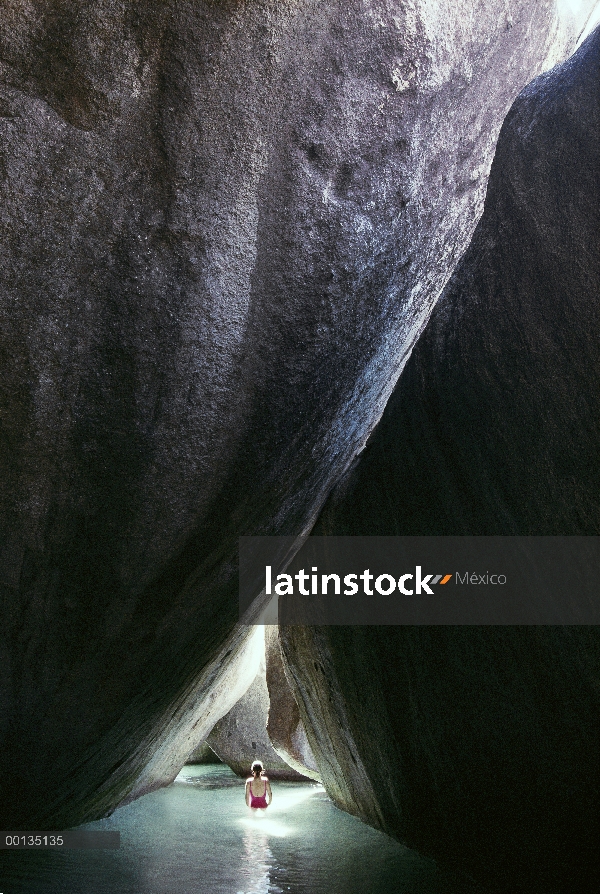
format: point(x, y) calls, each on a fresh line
point(284, 725)
point(481, 745)
point(241, 737)
point(203, 754)
point(224, 681)
point(223, 226)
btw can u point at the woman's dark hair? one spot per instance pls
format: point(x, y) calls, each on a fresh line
point(257, 768)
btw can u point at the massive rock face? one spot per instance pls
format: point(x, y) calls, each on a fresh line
point(284, 723)
point(223, 226)
point(481, 746)
point(241, 736)
point(203, 754)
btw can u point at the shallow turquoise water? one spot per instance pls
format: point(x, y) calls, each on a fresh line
point(198, 837)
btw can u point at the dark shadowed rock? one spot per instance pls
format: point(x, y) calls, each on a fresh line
point(284, 725)
point(241, 737)
point(222, 227)
point(481, 745)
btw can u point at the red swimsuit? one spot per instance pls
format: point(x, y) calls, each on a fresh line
point(258, 802)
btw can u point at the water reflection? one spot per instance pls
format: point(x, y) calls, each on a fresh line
point(258, 860)
point(261, 825)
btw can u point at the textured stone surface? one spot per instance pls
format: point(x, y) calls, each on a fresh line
point(241, 737)
point(222, 227)
point(494, 427)
point(203, 754)
point(284, 724)
point(478, 746)
point(481, 746)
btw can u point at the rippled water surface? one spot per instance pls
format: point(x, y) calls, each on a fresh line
point(197, 835)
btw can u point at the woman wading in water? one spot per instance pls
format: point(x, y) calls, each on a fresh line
point(258, 789)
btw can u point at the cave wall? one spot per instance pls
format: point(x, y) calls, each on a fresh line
point(481, 745)
point(241, 736)
point(223, 226)
point(284, 724)
point(203, 754)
